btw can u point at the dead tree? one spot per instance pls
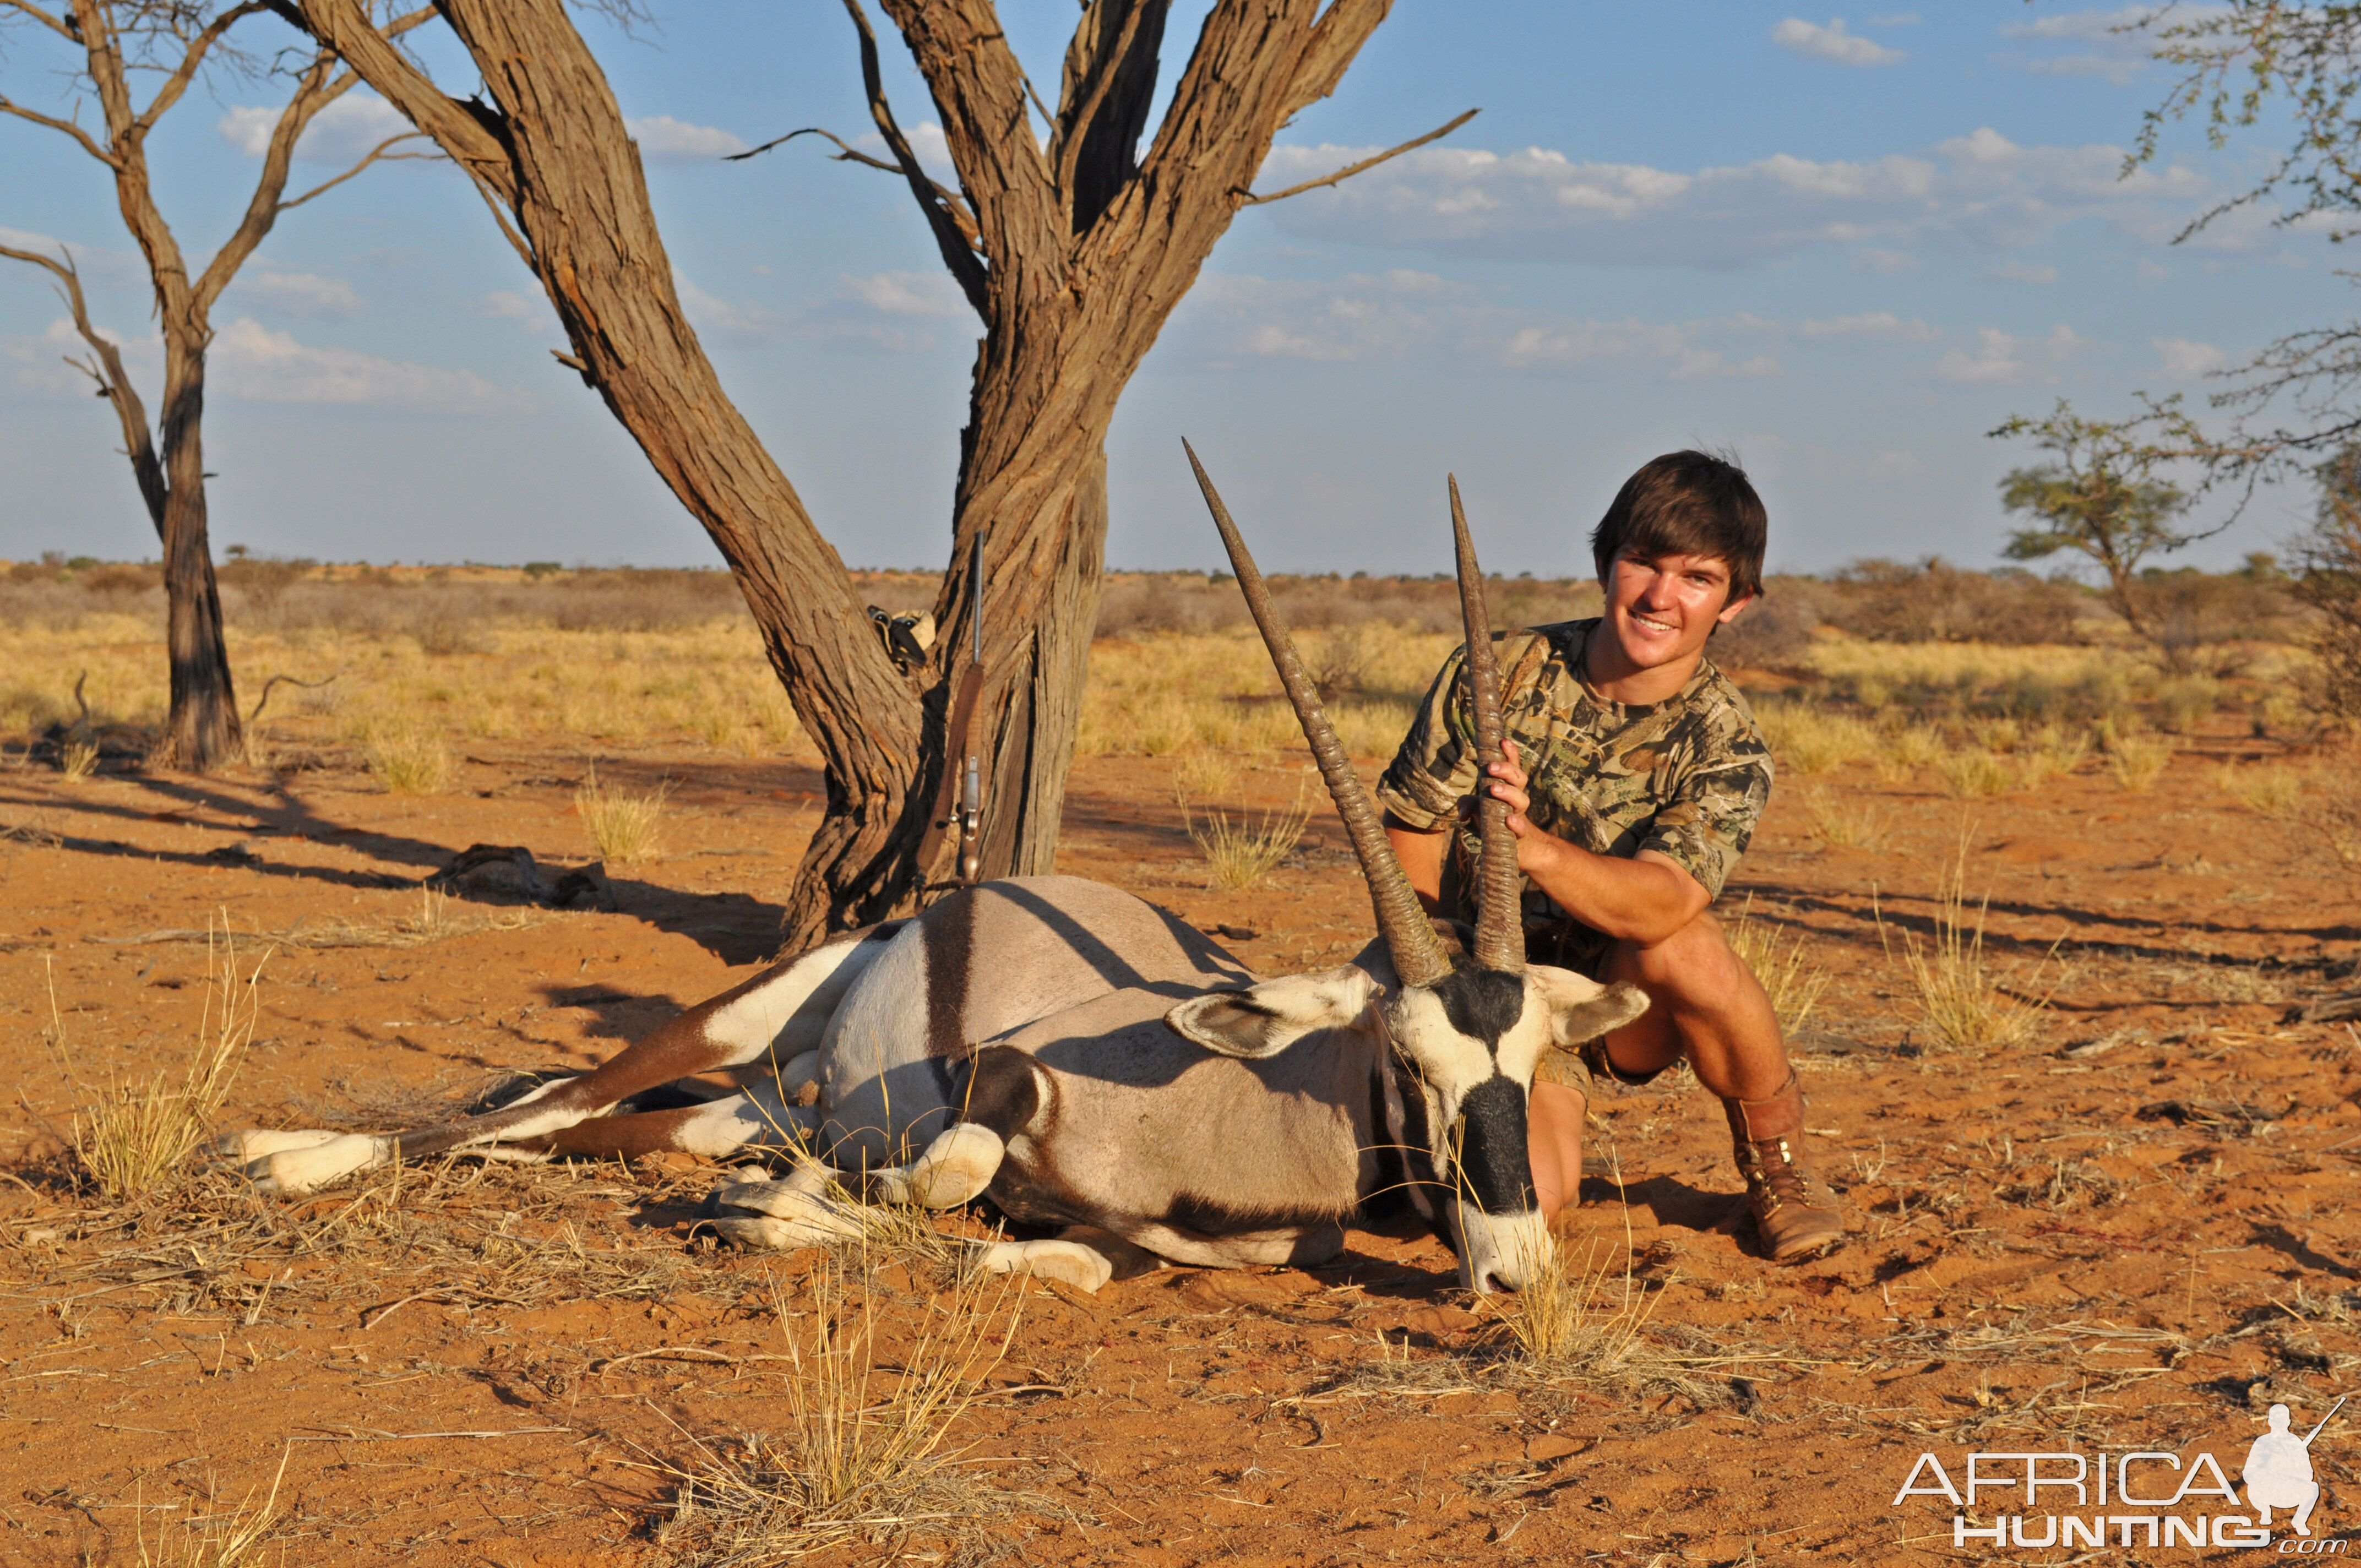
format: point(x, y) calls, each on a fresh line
point(1073, 254)
point(178, 40)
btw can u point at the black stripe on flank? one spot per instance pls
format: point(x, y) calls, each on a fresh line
point(950, 944)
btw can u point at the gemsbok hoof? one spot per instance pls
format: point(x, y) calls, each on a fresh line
point(298, 1172)
point(779, 1215)
point(1069, 1263)
point(253, 1142)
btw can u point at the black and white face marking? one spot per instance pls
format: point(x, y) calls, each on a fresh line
point(1475, 1038)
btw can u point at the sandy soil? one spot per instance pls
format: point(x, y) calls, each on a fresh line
point(2132, 1233)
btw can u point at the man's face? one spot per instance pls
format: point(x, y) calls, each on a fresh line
point(1662, 610)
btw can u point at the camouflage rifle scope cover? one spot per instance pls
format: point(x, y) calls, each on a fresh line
point(1687, 777)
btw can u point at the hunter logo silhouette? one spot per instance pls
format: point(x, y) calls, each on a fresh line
point(2278, 1470)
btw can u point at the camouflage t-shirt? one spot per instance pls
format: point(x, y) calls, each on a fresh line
point(1687, 777)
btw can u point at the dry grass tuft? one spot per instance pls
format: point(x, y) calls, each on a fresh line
point(2136, 760)
point(1962, 1004)
point(408, 759)
point(623, 828)
point(1199, 772)
point(1581, 1321)
point(77, 760)
point(129, 1138)
point(2272, 789)
point(1974, 775)
point(1781, 961)
point(863, 1457)
point(1907, 749)
point(1839, 824)
point(1814, 740)
point(214, 1539)
point(1237, 856)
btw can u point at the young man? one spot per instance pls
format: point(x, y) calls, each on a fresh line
point(1635, 778)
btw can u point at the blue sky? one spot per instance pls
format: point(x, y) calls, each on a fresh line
point(1844, 245)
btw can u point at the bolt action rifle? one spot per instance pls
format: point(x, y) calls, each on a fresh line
point(962, 765)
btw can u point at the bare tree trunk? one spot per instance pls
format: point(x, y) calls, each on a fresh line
point(203, 730)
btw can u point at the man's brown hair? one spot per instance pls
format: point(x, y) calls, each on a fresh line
point(1687, 504)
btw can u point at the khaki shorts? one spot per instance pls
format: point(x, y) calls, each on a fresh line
point(1581, 1067)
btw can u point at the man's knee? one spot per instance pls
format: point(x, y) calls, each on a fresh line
point(1697, 958)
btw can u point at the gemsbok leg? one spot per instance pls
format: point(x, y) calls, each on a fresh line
point(1003, 1097)
point(778, 1015)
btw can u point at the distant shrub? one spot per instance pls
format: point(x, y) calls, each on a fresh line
point(2192, 614)
point(1887, 601)
point(1774, 631)
point(1136, 603)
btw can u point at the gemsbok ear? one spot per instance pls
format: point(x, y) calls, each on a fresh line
point(1264, 1020)
point(1582, 1009)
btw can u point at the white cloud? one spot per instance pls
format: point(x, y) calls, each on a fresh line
point(300, 293)
point(507, 304)
point(2004, 359)
point(2018, 272)
point(96, 263)
point(905, 293)
point(716, 317)
point(1979, 193)
point(249, 360)
point(1880, 324)
point(2096, 43)
point(1831, 42)
point(1236, 320)
point(2185, 359)
point(40, 358)
point(344, 132)
point(664, 139)
point(1884, 262)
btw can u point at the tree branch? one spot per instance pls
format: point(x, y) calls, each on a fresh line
point(376, 153)
point(959, 244)
point(1366, 164)
point(190, 59)
point(846, 153)
point(951, 200)
point(314, 91)
point(1073, 129)
point(55, 24)
point(471, 141)
point(114, 385)
point(1336, 40)
point(68, 126)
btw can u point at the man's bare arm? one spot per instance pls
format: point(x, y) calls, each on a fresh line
point(1644, 899)
point(1420, 850)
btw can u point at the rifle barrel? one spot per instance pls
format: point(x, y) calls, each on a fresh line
point(2325, 1419)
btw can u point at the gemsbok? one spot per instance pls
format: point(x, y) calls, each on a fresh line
point(1093, 1064)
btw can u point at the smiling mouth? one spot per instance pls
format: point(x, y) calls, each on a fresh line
point(1663, 628)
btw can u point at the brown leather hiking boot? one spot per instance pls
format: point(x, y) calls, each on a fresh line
point(1795, 1215)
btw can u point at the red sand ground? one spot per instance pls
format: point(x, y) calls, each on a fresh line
point(2133, 1232)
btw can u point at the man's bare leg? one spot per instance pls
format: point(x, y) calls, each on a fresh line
point(1554, 1142)
point(1708, 1006)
